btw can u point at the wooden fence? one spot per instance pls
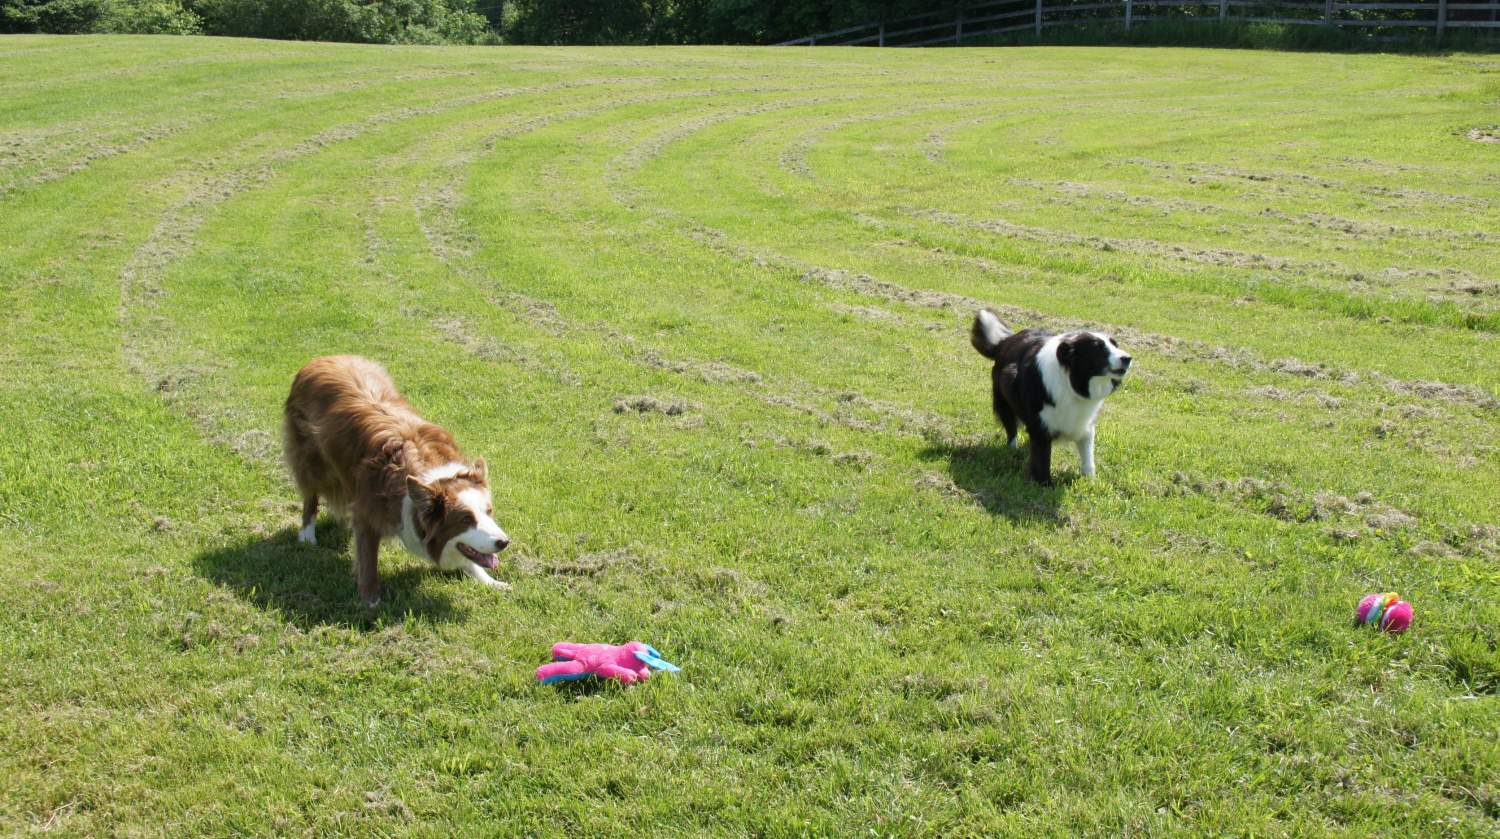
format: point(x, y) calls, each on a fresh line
point(975, 19)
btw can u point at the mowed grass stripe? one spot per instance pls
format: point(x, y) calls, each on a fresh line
point(1382, 387)
point(1273, 287)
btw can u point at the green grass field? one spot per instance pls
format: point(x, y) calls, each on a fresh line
point(704, 311)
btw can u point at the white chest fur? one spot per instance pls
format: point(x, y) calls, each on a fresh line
point(408, 532)
point(1070, 416)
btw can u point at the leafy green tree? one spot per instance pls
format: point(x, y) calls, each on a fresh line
point(579, 21)
point(58, 16)
point(149, 17)
point(370, 21)
point(695, 21)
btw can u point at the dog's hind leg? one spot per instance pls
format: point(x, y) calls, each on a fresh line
point(1007, 418)
point(309, 533)
point(1004, 381)
point(306, 465)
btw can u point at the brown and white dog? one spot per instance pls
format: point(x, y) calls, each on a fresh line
point(353, 441)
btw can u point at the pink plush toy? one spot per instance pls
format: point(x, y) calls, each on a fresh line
point(627, 663)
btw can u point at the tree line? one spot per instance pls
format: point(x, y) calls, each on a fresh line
point(463, 21)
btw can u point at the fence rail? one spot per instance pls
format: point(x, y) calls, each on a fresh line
point(981, 18)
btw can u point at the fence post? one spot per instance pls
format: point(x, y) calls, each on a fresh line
point(1127, 15)
point(1327, 12)
point(958, 28)
point(812, 40)
point(1039, 18)
point(1442, 21)
point(1223, 10)
point(882, 33)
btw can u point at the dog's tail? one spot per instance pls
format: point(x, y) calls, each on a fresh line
point(988, 332)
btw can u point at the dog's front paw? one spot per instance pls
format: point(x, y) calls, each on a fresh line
point(477, 574)
point(308, 535)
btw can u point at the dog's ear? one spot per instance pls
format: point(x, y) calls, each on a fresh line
point(1065, 352)
point(423, 499)
point(479, 471)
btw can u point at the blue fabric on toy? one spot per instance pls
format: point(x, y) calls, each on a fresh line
point(652, 658)
point(566, 677)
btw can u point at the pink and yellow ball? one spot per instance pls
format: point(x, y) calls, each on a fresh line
point(1387, 611)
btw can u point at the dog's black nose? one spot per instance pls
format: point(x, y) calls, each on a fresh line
point(501, 544)
point(1125, 361)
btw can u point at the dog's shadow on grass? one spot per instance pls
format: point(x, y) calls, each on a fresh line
point(313, 585)
point(994, 476)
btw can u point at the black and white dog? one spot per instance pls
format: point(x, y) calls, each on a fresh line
point(1053, 384)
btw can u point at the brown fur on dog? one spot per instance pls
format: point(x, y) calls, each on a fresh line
point(352, 440)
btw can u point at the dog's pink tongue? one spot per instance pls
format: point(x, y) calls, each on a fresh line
point(488, 560)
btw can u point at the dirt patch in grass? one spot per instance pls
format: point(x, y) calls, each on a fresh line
point(411, 652)
point(1470, 289)
point(80, 154)
point(196, 392)
point(1440, 391)
point(871, 286)
point(472, 340)
point(839, 417)
point(1481, 540)
point(936, 142)
point(1349, 519)
point(856, 460)
point(637, 156)
point(708, 371)
point(1083, 196)
point(819, 448)
point(1271, 392)
point(870, 313)
point(452, 244)
point(860, 413)
point(1219, 257)
point(1280, 181)
point(1487, 134)
point(592, 564)
point(783, 401)
point(793, 157)
point(897, 417)
point(640, 404)
point(941, 484)
point(386, 803)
